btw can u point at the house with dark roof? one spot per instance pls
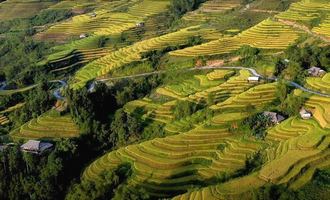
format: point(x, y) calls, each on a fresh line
point(36, 146)
point(139, 25)
point(274, 117)
point(316, 72)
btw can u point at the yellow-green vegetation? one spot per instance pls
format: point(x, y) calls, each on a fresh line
point(320, 107)
point(324, 27)
point(9, 92)
point(233, 86)
point(219, 74)
point(12, 108)
point(3, 120)
point(155, 111)
point(126, 55)
point(195, 84)
point(170, 165)
point(108, 20)
point(11, 9)
point(210, 10)
point(257, 97)
point(292, 161)
point(268, 34)
point(320, 84)
point(305, 10)
point(225, 190)
point(50, 125)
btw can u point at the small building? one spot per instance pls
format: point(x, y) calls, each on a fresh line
point(305, 114)
point(140, 24)
point(316, 72)
point(36, 147)
point(274, 117)
point(83, 35)
point(93, 14)
point(253, 79)
point(286, 60)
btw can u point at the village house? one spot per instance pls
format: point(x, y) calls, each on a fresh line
point(305, 114)
point(316, 72)
point(274, 117)
point(83, 35)
point(139, 25)
point(36, 147)
point(93, 14)
point(253, 79)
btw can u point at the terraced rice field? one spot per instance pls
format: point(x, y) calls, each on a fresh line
point(3, 120)
point(196, 84)
point(171, 165)
point(132, 53)
point(320, 107)
point(257, 96)
point(323, 28)
point(210, 10)
point(268, 34)
point(10, 92)
point(76, 58)
point(233, 86)
point(225, 190)
point(155, 111)
point(291, 163)
point(319, 84)
point(47, 126)
point(25, 8)
point(107, 21)
point(305, 10)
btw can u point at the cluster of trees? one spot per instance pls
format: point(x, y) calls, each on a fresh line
point(184, 109)
point(154, 56)
point(299, 59)
point(17, 45)
point(289, 103)
point(180, 7)
point(257, 125)
point(26, 176)
point(19, 55)
point(249, 55)
point(318, 189)
point(37, 101)
point(100, 116)
point(50, 16)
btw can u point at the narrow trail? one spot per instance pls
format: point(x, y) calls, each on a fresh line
point(305, 29)
point(57, 92)
point(264, 11)
point(251, 70)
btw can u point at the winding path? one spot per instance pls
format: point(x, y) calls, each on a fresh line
point(304, 29)
point(251, 70)
point(57, 92)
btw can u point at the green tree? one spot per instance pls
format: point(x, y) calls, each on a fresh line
point(292, 104)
